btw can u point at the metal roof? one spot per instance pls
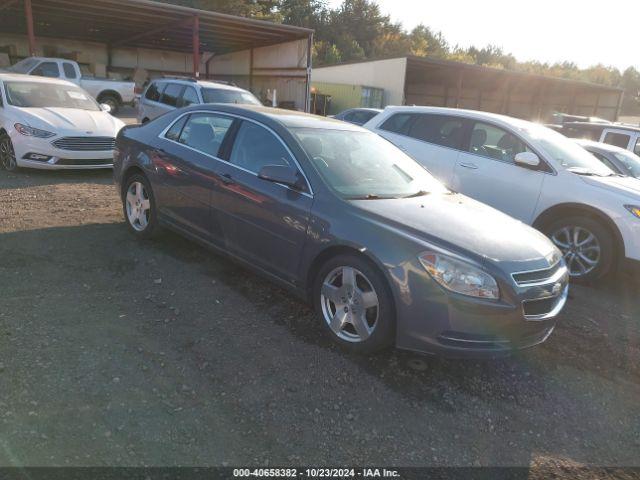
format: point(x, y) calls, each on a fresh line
point(433, 66)
point(144, 24)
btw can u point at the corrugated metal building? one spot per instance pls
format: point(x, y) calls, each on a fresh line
point(426, 81)
point(121, 36)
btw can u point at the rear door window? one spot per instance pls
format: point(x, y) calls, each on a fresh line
point(618, 139)
point(398, 123)
point(438, 129)
point(205, 132)
point(69, 70)
point(189, 97)
point(171, 94)
point(636, 147)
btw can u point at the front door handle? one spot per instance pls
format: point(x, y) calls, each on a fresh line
point(471, 166)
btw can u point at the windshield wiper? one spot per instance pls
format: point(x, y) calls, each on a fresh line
point(372, 196)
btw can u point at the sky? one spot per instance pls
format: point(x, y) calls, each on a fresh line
point(583, 32)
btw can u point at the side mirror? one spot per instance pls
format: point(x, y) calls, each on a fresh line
point(283, 174)
point(527, 159)
point(105, 108)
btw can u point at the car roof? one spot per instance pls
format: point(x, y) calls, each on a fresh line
point(604, 147)
point(201, 83)
point(285, 118)
point(364, 109)
point(602, 126)
point(460, 112)
point(8, 77)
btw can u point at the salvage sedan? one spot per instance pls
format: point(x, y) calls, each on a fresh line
point(385, 253)
point(53, 124)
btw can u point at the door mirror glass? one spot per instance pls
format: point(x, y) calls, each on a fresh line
point(105, 108)
point(283, 174)
point(527, 159)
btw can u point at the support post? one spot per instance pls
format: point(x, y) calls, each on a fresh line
point(597, 105)
point(196, 46)
point(251, 70)
point(307, 100)
point(459, 89)
point(619, 106)
point(28, 13)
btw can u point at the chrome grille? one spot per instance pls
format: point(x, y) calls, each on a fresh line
point(85, 144)
point(536, 277)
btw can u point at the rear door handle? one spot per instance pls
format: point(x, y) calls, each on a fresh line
point(471, 166)
point(227, 179)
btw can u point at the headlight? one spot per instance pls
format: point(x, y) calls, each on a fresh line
point(460, 277)
point(32, 132)
point(635, 210)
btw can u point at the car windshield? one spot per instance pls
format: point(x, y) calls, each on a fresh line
point(630, 161)
point(219, 95)
point(48, 95)
point(362, 165)
point(566, 152)
point(24, 66)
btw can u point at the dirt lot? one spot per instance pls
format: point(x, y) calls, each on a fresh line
point(115, 352)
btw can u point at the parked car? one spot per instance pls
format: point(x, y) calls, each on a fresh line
point(343, 218)
point(530, 172)
point(357, 116)
point(105, 91)
point(621, 161)
point(619, 135)
point(53, 124)
point(164, 95)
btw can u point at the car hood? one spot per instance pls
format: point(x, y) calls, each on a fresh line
point(468, 227)
point(66, 120)
point(628, 186)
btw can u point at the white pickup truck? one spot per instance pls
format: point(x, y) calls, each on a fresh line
point(111, 92)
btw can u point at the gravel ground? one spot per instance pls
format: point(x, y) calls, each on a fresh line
point(116, 352)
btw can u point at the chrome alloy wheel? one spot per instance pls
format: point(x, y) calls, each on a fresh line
point(7, 154)
point(350, 304)
point(138, 206)
point(581, 249)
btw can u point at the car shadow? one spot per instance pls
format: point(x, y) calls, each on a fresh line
point(24, 177)
point(573, 398)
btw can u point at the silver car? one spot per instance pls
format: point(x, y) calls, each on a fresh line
point(167, 94)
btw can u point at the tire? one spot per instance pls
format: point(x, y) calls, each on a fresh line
point(346, 305)
point(7, 154)
point(112, 101)
point(143, 223)
point(578, 254)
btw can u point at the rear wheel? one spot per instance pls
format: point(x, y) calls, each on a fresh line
point(139, 206)
point(354, 304)
point(587, 246)
point(7, 154)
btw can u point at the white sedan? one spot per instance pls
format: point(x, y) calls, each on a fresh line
point(53, 124)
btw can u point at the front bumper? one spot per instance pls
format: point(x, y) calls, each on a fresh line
point(434, 321)
point(54, 158)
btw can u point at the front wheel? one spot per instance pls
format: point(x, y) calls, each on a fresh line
point(112, 101)
point(354, 304)
point(139, 206)
point(587, 246)
point(7, 154)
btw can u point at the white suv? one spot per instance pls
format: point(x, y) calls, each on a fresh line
point(530, 172)
point(166, 94)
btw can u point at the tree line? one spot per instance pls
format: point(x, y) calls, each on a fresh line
point(358, 30)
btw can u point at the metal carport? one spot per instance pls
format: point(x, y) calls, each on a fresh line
point(209, 37)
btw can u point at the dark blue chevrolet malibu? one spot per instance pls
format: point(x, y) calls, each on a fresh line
point(386, 254)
